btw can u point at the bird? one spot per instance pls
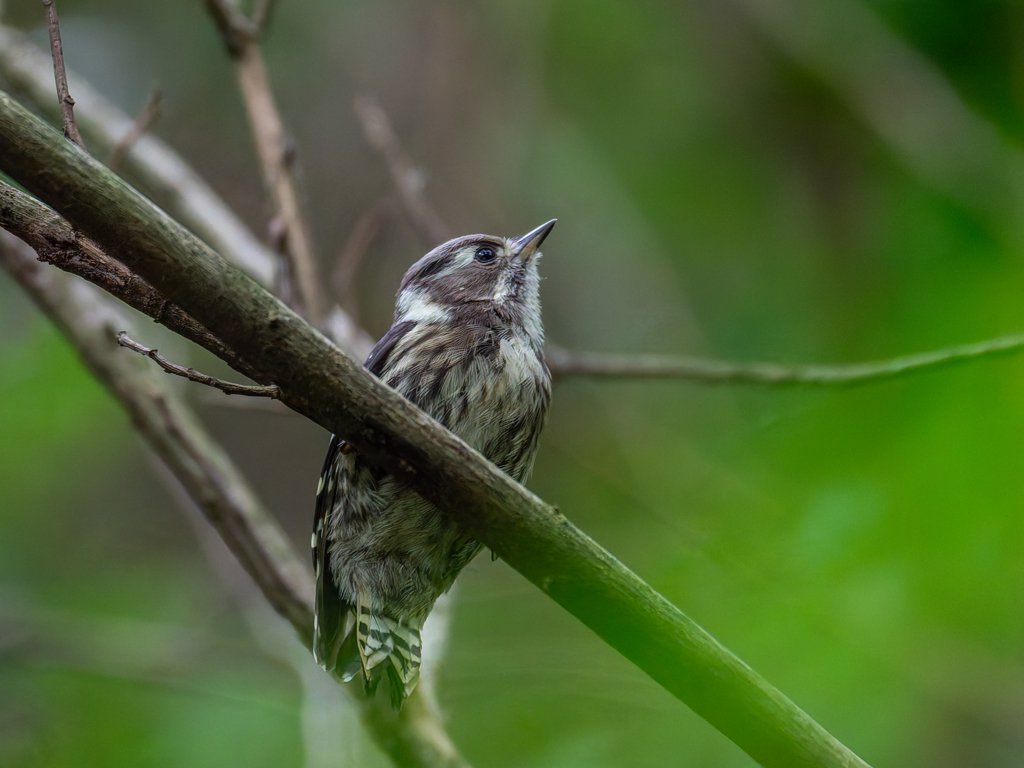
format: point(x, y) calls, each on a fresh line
point(467, 347)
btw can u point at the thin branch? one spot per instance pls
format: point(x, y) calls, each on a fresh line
point(707, 371)
point(276, 154)
point(89, 320)
point(142, 123)
point(227, 387)
point(317, 380)
point(346, 269)
point(408, 178)
point(67, 104)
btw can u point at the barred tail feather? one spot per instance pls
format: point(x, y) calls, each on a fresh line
point(381, 639)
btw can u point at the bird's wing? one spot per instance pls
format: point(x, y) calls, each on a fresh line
point(330, 612)
point(332, 615)
point(378, 356)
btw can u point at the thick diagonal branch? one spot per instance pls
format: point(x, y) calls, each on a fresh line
point(320, 382)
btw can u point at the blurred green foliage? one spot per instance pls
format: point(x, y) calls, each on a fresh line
point(863, 548)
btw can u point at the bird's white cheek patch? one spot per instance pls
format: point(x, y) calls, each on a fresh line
point(415, 306)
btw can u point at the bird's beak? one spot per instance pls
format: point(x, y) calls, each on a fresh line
point(523, 248)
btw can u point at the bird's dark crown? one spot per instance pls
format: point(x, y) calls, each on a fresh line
point(477, 279)
point(461, 259)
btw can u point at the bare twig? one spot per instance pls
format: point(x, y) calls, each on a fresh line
point(276, 154)
point(89, 320)
point(142, 123)
point(343, 278)
point(408, 178)
point(566, 363)
point(227, 387)
point(67, 104)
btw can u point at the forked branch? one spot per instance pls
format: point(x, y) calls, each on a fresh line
point(227, 387)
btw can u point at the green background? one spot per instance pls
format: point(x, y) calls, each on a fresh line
point(742, 180)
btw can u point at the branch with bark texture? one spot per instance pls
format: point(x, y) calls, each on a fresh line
point(89, 320)
point(276, 154)
point(320, 382)
point(67, 104)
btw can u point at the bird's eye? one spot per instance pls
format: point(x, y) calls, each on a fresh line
point(485, 254)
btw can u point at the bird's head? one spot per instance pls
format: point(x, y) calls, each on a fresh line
point(474, 277)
